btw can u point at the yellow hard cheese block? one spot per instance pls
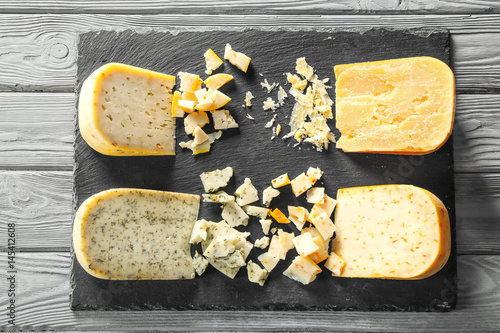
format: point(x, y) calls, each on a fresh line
point(400, 106)
point(391, 231)
point(134, 234)
point(126, 110)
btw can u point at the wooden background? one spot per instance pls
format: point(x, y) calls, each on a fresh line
point(37, 71)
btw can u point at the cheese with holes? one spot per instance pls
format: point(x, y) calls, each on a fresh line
point(126, 111)
point(391, 231)
point(399, 106)
point(134, 234)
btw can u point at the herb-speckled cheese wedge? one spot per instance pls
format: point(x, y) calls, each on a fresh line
point(135, 234)
point(126, 110)
point(391, 231)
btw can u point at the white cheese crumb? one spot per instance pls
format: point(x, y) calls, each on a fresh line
point(266, 224)
point(268, 86)
point(250, 117)
point(270, 104)
point(256, 274)
point(246, 193)
point(262, 243)
point(270, 122)
point(248, 98)
point(223, 120)
point(281, 96)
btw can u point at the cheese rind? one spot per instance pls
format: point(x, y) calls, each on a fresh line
point(135, 234)
point(391, 231)
point(398, 106)
point(126, 111)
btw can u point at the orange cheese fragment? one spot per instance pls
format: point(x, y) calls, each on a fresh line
point(399, 106)
point(279, 216)
point(391, 231)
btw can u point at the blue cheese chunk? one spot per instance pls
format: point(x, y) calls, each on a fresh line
point(213, 180)
point(246, 193)
point(200, 263)
point(234, 215)
point(256, 274)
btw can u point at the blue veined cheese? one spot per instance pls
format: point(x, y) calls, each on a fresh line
point(335, 264)
point(268, 195)
point(246, 193)
point(200, 263)
point(219, 197)
point(134, 234)
point(256, 274)
point(213, 180)
point(262, 243)
point(126, 111)
point(259, 212)
point(303, 270)
point(234, 215)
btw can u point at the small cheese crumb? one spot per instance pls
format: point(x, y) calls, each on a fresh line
point(281, 96)
point(278, 129)
point(268, 195)
point(250, 117)
point(270, 104)
point(270, 122)
point(268, 86)
point(262, 243)
point(219, 197)
point(273, 230)
point(212, 61)
point(248, 98)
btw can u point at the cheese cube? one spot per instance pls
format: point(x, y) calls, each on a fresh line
point(189, 82)
point(199, 136)
point(398, 106)
point(279, 216)
point(298, 216)
point(314, 174)
point(199, 232)
point(268, 261)
point(205, 101)
point(177, 111)
point(223, 120)
point(305, 245)
point(275, 248)
point(246, 193)
point(322, 253)
point(300, 184)
point(195, 119)
point(335, 264)
point(316, 195)
point(281, 181)
point(219, 197)
point(259, 212)
point(303, 270)
point(200, 263)
point(127, 111)
point(262, 243)
point(238, 59)
point(234, 215)
point(266, 224)
point(327, 207)
point(256, 274)
point(213, 180)
point(286, 240)
point(268, 194)
point(212, 61)
point(324, 225)
point(216, 81)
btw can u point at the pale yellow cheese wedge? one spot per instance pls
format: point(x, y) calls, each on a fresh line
point(126, 110)
point(399, 106)
point(391, 231)
point(135, 234)
point(216, 81)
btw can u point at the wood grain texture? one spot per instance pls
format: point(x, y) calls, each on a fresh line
point(38, 51)
point(40, 204)
point(247, 7)
point(43, 288)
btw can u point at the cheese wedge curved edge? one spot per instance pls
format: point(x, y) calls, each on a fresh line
point(391, 232)
point(136, 234)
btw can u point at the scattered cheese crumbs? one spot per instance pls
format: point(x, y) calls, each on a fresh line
point(270, 104)
point(275, 248)
point(279, 216)
point(219, 197)
point(248, 98)
point(212, 61)
point(216, 81)
point(324, 225)
point(304, 69)
point(314, 174)
point(186, 105)
point(234, 215)
point(327, 207)
point(189, 82)
point(286, 240)
point(199, 136)
point(268, 261)
point(262, 243)
point(303, 270)
point(200, 263)
point(305, 245)
point(246, 193)
point(270, 122)
point(256, 274)
point(280, 181)
point(268, 86)
point(194, 119)
point(199, 232)
point(177, 111)
point(266, 224)
point(281, 96)
point(322, 253)
point(223, 120)
point(213, 180)
point(300, 184)
point(238, 59)
point(298, 216)
point(268, 195)
point(335, 264)
point(316, 195)
point(259, 212)
point(250, 117)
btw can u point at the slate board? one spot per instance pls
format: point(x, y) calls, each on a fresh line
point(251, 152)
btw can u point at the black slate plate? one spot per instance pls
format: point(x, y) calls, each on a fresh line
point(251, 152)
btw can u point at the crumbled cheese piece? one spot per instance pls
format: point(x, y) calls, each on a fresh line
point(220, 99)
point(221, 246)
point(212, 61)
point(278, 129)
point(186, 105)
point(240, 60)
point(259, 212)
point(213, 180)
point(305, 245)
point(246, 193)
point(279, 216)
point(322, 253)
point(316, 195)
point(203, 147)
point(200, 263)
point(273, 230)
point(327, 207)
point(216, 81)
point(223, 120)
point(199, 232)
point(250, 117)
point(335, 264)
point(268, 261)
point(270, 104)
point(281, 96)
point(270, 122)
point(275, 248)
point(298, 216)
point(304, 69)
point(286, 240)
point(280, 181)
point(234, 215)
point(256, 274)
point(219, 197)
point(268, 195)
point(248, 98)
point(266, 224)
point(233, 260)
point(268, 86)
point(194, 119)
point(199, 136)
point(177, 111)
point(296, 82)
point(324, 225)
point(314, 174)
point(262, 243)
point(204, 100)
point(303, 270)
point(300, 184)
point(189, 82)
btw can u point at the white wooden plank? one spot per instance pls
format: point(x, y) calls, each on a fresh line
point(43, 304)
point(38, 51)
